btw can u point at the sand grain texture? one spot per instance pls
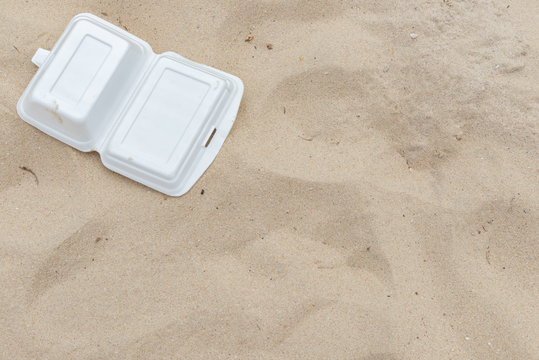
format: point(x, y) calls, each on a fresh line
point(377, 198)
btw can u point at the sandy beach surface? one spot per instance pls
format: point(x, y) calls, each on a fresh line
point(377, 198)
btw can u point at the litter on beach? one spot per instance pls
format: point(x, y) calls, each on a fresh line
point(158, 119)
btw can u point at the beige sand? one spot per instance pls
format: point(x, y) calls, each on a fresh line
point(376, 199)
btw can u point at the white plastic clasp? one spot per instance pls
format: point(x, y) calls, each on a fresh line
point(40, 57)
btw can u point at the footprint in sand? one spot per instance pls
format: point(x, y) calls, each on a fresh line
point(341, 215)
point(323, 118)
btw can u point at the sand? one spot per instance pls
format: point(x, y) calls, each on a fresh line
point(377, 197)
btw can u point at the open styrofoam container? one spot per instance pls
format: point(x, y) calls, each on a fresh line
point(158, 119)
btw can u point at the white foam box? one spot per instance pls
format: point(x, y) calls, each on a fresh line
point(158, 119)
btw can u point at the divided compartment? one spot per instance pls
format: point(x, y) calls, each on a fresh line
point(88, 74)
point(168, 121)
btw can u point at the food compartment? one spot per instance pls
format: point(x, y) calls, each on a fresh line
point(86, 79)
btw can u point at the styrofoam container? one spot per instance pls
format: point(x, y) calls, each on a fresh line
point(158, 119)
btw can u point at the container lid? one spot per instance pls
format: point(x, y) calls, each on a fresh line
point(157, 119)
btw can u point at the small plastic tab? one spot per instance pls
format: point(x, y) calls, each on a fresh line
point(40, 57)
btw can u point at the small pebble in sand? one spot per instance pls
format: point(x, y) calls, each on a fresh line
point(249, 38)
point(413, 35)
point(467, 338)
point(269, 46)
point(301, 58)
